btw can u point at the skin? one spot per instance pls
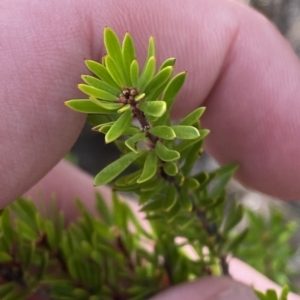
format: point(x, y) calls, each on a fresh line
point(238, 66)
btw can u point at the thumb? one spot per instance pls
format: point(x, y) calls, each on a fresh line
point(209, 288)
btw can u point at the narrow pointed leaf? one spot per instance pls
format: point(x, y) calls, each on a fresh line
point(134, 73)
point(99, 94)
point(132, 141)
point(101, 72)
point(114, 169)
point(119, 127)
point(186, 132)
point(153, 108)
point(100, 84)
point(150, 167)
point(170, 168)
point(170, 62)
point(128, 51)
point(163, 131)
point(173, 89)
point(147, 74)
point(112, 45)
point(164, 153)
point(115, 71)
point(107, 105)
point(158, 83)
point(151, 48)
point(193, 117)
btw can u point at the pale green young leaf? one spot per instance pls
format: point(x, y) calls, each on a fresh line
point(119, 127)
point(163, 131)
point(130, 130)
point(113, 48)
point(128, 51)
point(150, 167)
point(170, 168)
point(134, 73)
point(107, 105)
point(117, 167)
point(101, 72)
point(173, 88)
point(153, 108)
point(100, 84)
point(132, 141)
point(193, 117)
point(151, 48)
point(86, 106)
point(112, 45)
point(186, 132)
point(147, 74)
point(99, 94)
point(124, 108)
point(115, 71)
point(158, 83)
point(165, 153)
point(170, 62)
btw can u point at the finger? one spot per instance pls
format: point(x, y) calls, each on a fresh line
point(242, 272)
point(209, 288)
point(225, 47)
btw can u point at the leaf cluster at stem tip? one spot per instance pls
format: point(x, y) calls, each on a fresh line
point(136, 102)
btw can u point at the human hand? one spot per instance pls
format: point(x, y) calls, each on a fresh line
point(238, 66)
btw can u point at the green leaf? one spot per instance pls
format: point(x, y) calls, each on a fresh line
point(170, 62)
point(147, 74)
point(119, 127)
point(103, 209)
point(185, 200)
point(151, 48)
point(158, 83)
point(271, 295)
point(101, 72)
point(233, 244)
point(115, 71)
point(163, 131)
point(153, 108)
point(134, 72)
point(171, 197)
point(260, 295)
point(107, 105)
point(128, 52)
point(99, 94)
point(193, 117)
point(284, 293)
point(114, 169)
point(112, 45)
point(170, 168)
point(173, 89)
point(132, 141)
point(164, 153)
point(100, 84)
point(150, 167)
point(186, 132)
point(185, 144)
point(86, 106)
point(5, 257)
